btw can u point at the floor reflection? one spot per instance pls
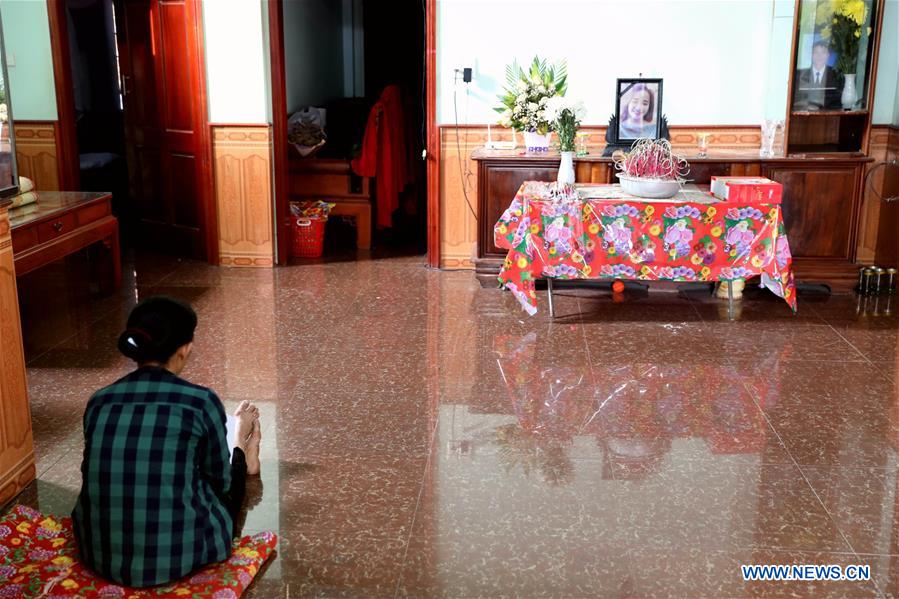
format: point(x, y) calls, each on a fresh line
point(423, 438)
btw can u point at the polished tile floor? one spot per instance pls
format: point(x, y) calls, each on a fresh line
point(423, 437)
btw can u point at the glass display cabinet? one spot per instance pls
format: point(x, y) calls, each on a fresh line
point(832, 64)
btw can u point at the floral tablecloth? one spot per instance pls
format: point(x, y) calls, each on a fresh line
point(553, 232)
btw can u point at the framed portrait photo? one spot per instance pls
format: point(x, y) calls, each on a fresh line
point(638, 109)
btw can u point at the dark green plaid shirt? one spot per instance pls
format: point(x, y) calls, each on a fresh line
point(154, 474)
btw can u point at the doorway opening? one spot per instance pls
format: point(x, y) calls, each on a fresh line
point(131, 95)
point(361, 71)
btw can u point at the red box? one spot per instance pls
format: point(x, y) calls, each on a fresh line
point(747, 190)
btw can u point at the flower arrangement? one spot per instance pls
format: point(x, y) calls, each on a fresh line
point(842, 22)
point(565, 116)
point(528, 92)
point(848, 18)
point(652, 159)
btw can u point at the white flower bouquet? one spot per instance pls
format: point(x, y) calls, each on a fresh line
point(527, 94)
point(565, 116)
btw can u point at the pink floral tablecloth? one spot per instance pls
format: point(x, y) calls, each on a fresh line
point(554, 233)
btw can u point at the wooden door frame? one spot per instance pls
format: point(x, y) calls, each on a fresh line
point(432, 147)
point(67, 160)
point(280, 190)
point(279, 130)
point(67, 144)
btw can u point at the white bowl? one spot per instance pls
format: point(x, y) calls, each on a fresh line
point(649, 188)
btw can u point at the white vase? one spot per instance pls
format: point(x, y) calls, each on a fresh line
point(849, 96)
point(566, 169)
point(534, 142)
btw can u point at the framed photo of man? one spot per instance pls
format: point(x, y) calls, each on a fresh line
point(638, 109)
point(818, 85)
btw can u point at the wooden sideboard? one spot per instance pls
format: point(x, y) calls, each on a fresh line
point(822, 202)
point(63, 222)
point(16, 443)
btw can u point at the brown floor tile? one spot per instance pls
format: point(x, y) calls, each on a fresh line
point(424, 437)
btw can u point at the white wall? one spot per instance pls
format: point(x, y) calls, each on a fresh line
point(237, 61)
point(886, 94)
point(712, 54)
point(26, 36)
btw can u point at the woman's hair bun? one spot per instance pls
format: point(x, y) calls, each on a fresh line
point(156, 328)
point(134, 343)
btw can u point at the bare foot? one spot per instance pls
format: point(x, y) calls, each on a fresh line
point(252, 450)
point(246, 415)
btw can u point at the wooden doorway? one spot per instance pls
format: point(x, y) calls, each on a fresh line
point(280, 142)
point(168, 148)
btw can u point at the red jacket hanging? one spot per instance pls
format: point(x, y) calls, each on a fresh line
point(384, 155)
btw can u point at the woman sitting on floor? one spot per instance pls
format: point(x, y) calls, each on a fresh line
point(158, 496)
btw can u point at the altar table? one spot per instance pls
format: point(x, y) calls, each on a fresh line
point(597, 231)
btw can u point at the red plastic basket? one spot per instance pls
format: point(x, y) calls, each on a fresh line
point(308, 237)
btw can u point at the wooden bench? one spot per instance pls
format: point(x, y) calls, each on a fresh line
point(333, 181)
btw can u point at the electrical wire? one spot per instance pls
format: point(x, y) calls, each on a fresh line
point(868, 185)
point(459, 149)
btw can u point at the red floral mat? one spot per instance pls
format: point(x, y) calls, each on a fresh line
point(38, 558)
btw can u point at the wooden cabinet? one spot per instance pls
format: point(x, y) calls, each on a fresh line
point(16, 446)
point(821, 203)
point(499, 185)
point(498, 181)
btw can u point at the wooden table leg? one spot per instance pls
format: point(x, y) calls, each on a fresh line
point(108, 263)
point(363, 229)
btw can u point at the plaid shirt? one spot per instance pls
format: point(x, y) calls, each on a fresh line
point(154, 473)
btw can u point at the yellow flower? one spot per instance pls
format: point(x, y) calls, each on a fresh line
point(51, 524)
point(772, 213)
point(649, 210)
point(16, 541)
point(552, 251)
point(757, 261)
point(576, 256)
point(62, 561)
point(251, 570)
point(183, 591)
point(507, 264)
point(645, 271)
point(522, 262)
point(58, 542)
point(535, 228)
point(695, 259)
point(733, 252)
point(28, 569)
point(516, 212)
point(655, 230)
point(68, 583)
point(706, 271)
point(247, 552)
point(502, 229)
point(593, 229)
point(716, 231)
point(711, 211)
point(587, 269)
point(24, 527)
